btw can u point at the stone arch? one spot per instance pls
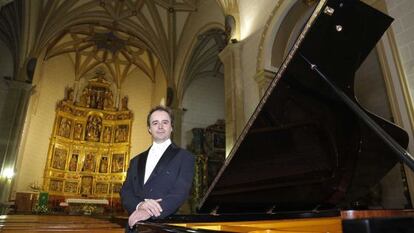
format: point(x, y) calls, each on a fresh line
point(182, 78)
point(281, 29)
point(202, 83)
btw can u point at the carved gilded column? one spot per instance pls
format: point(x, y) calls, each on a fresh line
point(263, 79)
point(233, 93)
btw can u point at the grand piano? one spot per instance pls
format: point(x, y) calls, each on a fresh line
point(300, 165)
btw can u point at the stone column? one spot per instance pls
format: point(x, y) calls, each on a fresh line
point(233, 93)
point(14, 97)
point(178, 119)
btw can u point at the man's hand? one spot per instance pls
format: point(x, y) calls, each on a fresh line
point(151, 206)
point(138, 215)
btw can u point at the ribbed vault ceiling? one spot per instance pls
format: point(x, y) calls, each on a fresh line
point(122, 35)
point(204, 60)
point(90, 46)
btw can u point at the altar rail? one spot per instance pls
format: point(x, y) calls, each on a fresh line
point(53, 223)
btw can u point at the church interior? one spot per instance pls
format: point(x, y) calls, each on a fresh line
point(77, 79)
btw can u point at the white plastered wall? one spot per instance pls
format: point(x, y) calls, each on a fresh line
point(259, 24)
point(200, 21)
point(160, 88)
point(204, 105)
point(56, 74)
point(403, 13)
point(139, 89)
point(401, 66)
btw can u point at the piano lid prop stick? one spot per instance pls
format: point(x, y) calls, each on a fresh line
point(402, 153)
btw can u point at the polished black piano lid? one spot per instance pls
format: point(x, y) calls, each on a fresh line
point(303, 148)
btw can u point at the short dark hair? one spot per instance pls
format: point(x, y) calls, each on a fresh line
point(160, 108)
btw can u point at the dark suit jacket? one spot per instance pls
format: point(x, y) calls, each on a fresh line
point(170, 180)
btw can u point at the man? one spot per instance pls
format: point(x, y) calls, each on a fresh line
point(158, 180)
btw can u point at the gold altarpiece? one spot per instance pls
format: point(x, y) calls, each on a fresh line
point(90, 144)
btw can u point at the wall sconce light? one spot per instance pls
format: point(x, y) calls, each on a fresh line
point(8, 173)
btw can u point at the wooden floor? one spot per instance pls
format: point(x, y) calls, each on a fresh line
point(54, 223)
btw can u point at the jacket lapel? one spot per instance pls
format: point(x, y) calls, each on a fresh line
point(142, 161)
point(169, 154)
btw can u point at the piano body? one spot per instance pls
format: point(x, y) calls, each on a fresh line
point(299, 165)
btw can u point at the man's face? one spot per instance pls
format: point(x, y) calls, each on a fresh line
point(160, 126)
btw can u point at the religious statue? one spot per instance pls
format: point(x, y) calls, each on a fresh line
point(85, 98)
point(73, 163)
point(108, 100)
point(56, 185)
point(64, 128)
point(86, 187)
point(103, 166)
point(77, 132)
point(89, 164)
point(107, 134)
point(117, 163)
point(62, 125)
point(124, 105)
point(93, 128)
point(59, 159)
point(92, 98)
point(121, 133)
point(69, 94)
point(100, 98)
